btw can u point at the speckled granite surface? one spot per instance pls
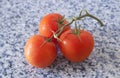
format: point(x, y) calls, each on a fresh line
point(19, 20)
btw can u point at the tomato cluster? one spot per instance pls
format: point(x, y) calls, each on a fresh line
point(75, 44)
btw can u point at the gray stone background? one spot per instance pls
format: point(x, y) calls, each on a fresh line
point(19, 19)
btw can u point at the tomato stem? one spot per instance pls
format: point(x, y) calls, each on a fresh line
point(79, 18)
point(76, 30)
point(60, 30)
point(89, 15)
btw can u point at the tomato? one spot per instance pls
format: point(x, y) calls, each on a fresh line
point(49, 24)
point(40, 53)
point(76, 47)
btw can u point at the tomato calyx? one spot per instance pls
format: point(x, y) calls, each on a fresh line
point(46, 40)
point(60, 22)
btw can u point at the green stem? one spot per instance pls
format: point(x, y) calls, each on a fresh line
point(79, 18)
point(89, 15)
point(49, 39)
point(59, 31)
point(76, 30)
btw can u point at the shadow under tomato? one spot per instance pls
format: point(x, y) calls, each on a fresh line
point(62, 66)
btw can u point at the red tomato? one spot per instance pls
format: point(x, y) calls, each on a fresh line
point(76, 48)
point(49, 24)
point(40, 55)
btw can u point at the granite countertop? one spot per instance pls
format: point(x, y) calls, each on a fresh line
point(19, 20)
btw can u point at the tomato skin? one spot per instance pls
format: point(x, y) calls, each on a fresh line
point(49, 23)
point(37, 55)
point(74, 48)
